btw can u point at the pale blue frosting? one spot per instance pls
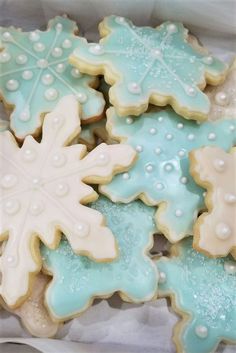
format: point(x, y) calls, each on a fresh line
point(205, 290)
point(35, 74)
point(161, 173)
point(77, 279)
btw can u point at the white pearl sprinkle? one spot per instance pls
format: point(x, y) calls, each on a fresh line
point(125, 176)
point(160, 119)
point(129, 121)
point(47, 79)
point(211, 136)
point(181, 153)
point(232, 127)
point(57, 121)
point(120, 20)
point(51, 94)
point(27, 75)
point(184, 180)
point(25, 114)
point(96, 49)
point(168, 167)
point(60, 68)
point(39, 47)
point(149, 168)
point(62, 189)
point(66, 44)
point(82, 229)
point(57, 52)
point(223, 231)
point(36, 208)
point(162, 277)
point(82, 98)
point(180, 125)
point(34, 36)
point(172, 28)
point(191, 137)
point(5, 57)
point(59, 27)
point(103, 158)
point(169, 137)
point(7, 36)
point(11, 260)
point(230, 267)
point(156, 53)
point(12, 85)
point(219, 165)
point(190, 91)
point(8, 181)
point(12, 207)
point(158, 151)
point(36, 183)
point(221, 98)
point(75, 73)
point(159, 186)
point(58, 160)
point(201, 331)
point(139, 148)
point(152, 131)
point(42, 63)
point(21, 59)
point(230, 198)
point(134, 88)
point(29, 155)
point(179, 213)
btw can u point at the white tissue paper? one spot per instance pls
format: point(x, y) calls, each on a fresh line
point(113, 326)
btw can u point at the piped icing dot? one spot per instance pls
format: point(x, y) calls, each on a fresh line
point(162, 277)
point(211, 136)
point(51, 94)
point(60, 68)
point(221, 98)
point(191, 137)
point(103, 158)
point(81, 229)
point(149, 168)
point(232, 128)
point(25, 114)
point(120, 20)
point(134, 88)
point(219, 165)
point(4, 57)
point(169, 136)
point(21, 59)
point(184, 180)
point(139, 148)
point(160, 119)
point(208, 60)
point(180, 125)
point(223, 231)
point(159, 186)
point(36, 208)
point(36, 183)
point(158, 150)
point(8, 181)
point(172, 28)
point(47, 79)
point(125, 176)
point(34, 36)
point(59, 27)
point(168, 167)
point(58, 160)
point(29, 155)
point(11, 260)
point(27, 75)
point(7, 36)
point(230, 267)
point(11, 207)
point(181, 153)
point(96, 49)
point(66, 44)
point(156, 53)
point(57, 52)
point(178, 213)
point(230, 198)
point(152, 130)
point(12, 85)
point(39, 47)
point(42, 63)
point(201, 331)
point(191, 91)
point(129, 120)
point(57, 121)
point(82, 98)
point(75, 73)
point(62, 189)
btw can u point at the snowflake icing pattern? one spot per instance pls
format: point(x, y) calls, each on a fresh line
point(151, 65)
point(43, 192)
point(35, 74)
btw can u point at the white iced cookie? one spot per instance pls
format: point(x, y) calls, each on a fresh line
point(215, 230)
point(223, 97)
point(33, 313)
point(43, 193)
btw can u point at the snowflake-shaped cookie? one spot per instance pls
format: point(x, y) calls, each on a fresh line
point(77, 280)
point(43, 192)
point(203, 293)
point(161, 174)
point(33, 314)
point(223, 97)
point(215, 230)
point(35, 74)
point(150, 65)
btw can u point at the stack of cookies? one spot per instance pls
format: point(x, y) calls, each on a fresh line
point(108, 144)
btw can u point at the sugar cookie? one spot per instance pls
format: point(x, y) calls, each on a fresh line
point(223, 97)
point(161, 174)
point(35, 75)
point(78, 280)
point(33, 313)
point(215, 230)
point(92, 132)
point(203, 294)
point(43, 193)
point(150, 65)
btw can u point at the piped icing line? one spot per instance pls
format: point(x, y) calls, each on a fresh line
point(223, 97)
point(44, 192)
point(77, 280)
point(215, 230)
point(144, 65)
point(202, 292)
point(35, 75)
point(33, 314)
point(161, 177)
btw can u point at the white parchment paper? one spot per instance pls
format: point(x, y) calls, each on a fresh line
point(113, 326)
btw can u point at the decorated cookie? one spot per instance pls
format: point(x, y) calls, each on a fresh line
point(33, 314)
point(161, 174)
point(77, 280)
point(223, 97)
point(150, 65)
point(35, 74)
point(43, 193)
point(203, 294)
point(215, 230)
